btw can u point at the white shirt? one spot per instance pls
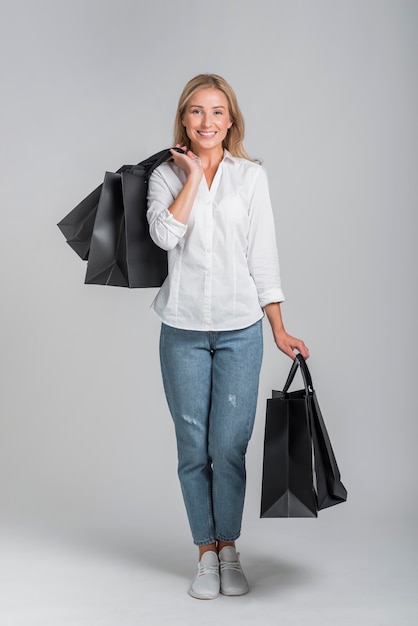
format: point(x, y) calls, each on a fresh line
point(223, 265)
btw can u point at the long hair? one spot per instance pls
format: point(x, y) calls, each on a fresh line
point(233, 141)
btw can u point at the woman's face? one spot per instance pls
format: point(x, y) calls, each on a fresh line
point(206, 119)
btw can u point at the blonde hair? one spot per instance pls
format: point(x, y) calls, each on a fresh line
point(233, 141)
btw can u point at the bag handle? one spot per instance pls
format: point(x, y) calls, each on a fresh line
point(167, 154)
point(162, 157)
point(299, 361)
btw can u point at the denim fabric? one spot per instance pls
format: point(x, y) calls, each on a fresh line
point(211, 384)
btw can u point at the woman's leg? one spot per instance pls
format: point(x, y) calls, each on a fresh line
point(237, 357)
point(186, 364)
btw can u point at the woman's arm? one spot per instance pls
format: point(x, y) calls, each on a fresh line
point(285, 342)
point(182, 205)
point(168, 209)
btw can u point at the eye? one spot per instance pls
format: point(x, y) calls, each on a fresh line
point(196, 111)
point(218, 112)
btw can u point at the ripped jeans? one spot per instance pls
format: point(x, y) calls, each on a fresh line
point(211, 384)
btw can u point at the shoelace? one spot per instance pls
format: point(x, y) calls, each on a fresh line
point(235, 566)
point(232, 565)
point(208, 569)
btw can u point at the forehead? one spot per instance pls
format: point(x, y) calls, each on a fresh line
point(208, 97)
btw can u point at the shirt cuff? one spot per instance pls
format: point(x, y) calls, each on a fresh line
point(269, 297)
point(171, 224)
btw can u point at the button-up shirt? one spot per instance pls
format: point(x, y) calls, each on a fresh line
point(223, 264)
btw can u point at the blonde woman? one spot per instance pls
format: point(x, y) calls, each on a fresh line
point(210, 209)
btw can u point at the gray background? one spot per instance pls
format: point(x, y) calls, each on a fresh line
point(329, 94)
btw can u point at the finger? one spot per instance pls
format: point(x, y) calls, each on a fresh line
point(177, 155)
point(178, 149)
point(300, 346)
point(287, 349)
point(193, 156)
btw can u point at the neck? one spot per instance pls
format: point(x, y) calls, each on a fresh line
point(210, 158)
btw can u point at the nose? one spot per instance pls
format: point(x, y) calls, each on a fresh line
point(205, 120)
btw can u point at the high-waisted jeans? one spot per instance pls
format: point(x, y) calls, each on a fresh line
point(211, 384)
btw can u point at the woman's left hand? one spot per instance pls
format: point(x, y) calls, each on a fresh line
point(288, 344)
point(285, 342)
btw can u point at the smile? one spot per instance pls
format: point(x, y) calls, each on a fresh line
point(208, 135)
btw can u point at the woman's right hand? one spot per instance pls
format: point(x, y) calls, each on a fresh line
point(189, 163)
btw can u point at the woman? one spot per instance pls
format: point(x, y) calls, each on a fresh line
point(210, 209)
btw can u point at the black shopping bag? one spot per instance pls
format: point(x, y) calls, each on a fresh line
point(287, 476)
point(77, 226)
point(330, 489)
point(109, 228)
point(122, 252)
point(287, 483)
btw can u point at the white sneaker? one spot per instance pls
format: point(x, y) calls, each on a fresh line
point(206, 584)
point(233, 581)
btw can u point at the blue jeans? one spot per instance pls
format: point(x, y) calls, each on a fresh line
point(211, 384)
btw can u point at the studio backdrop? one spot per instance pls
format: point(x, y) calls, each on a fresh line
point(329, 95)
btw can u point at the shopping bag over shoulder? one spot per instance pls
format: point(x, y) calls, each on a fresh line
point(77, 226)
point(121, 251)
point(109, 229)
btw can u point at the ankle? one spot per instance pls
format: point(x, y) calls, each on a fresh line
point(223, 544)
point(211, 547)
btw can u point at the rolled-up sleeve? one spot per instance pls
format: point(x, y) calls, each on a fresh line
point(263, 260)
point(164, 229)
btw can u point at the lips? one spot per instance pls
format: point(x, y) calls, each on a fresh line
point(206, 135)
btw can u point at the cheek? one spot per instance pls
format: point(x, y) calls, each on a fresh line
point(189, 122)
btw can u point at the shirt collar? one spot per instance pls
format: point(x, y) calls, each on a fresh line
point(228, 156)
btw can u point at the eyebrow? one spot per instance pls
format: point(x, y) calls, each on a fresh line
point(199, 106)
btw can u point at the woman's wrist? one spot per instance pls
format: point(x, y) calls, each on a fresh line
point(195, 174)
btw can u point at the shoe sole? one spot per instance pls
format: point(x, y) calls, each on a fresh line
point(200, 597)
point(237, 593)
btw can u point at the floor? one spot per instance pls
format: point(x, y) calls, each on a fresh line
point(325, 571)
